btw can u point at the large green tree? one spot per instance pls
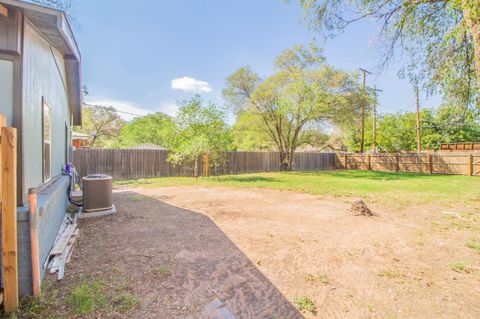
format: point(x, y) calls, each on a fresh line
point(398, 132)
point(155, 128)
point(248, 133)
point(303, 93)
point(102, 124)
point(441, 37)
point(200, 130)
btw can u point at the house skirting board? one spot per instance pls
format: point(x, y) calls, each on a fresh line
point(52, 205)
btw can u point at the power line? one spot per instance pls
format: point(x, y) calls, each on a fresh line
point(397, 108)
point(116, 110)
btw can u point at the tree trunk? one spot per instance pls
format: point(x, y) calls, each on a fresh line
point(471, 13)
point(284, 161)
point(94, 139)
point(195, 167)
point(290, 160)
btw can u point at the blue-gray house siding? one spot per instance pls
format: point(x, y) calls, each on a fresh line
point(40, 64)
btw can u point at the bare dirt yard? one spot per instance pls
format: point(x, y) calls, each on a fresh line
point(218, 252)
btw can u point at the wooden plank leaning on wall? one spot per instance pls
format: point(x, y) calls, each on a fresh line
point(8, 160)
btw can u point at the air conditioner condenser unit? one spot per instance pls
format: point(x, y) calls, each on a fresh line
point(97, 193)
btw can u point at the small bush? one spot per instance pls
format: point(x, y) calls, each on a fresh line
point(162, 271)
point(474, 244)
point(321, 279)
point(460, 266)
point(87, 297)
point(34, 308)
point(124, 302)
point(305, 304)
point(392, 273)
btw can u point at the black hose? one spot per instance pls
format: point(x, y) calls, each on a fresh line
point(69, 189)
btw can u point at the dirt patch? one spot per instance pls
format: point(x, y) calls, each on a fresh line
point(186, 252)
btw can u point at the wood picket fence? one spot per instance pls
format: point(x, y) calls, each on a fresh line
point(453, 163)
point(134, 163)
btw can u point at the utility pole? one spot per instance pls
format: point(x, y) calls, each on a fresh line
point(362, 130)
point(374, 137)
point(419, 130)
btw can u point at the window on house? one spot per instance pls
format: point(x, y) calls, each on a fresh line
point(47, 142)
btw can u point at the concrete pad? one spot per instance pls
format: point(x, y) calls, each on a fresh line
point(100, 213)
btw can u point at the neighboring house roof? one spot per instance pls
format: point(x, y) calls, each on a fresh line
point(147, 146)
point(323, 148)
point(80, 136)
point(339, 148)
point(53, 24)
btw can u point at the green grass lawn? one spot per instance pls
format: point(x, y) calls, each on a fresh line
point(397, 189)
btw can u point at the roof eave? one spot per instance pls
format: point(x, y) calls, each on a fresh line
point(74, 85)
point(67, 33)
point(59, 32)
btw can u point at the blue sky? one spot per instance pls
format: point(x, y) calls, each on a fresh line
point(133, 51)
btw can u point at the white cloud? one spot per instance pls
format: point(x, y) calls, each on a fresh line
point(129, 110)
point(188, 84)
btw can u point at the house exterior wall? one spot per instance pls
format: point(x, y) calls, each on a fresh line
point(32, 71)
point(6, 90)
point(44, 79)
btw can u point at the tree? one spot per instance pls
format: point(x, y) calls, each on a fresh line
point(442, 37)
point(303, 93)
point(248, 133)
point(56, 4)
point(102, 124)
point(397, 132)
point(455, 124)
point(155, 128)
point(200, 130)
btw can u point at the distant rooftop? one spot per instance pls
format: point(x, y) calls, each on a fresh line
point(148, 146)
point(80, 135)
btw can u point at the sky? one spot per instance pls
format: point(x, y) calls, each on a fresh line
point(144, 56)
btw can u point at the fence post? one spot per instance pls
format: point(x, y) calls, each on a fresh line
point(430, 164)
point(9, 218)
point(346, 161)
point(206, 165)
point(369, 162)
point(470, 165)
point(397, 167)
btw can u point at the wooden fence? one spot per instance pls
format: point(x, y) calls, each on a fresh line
point(460, 147)
point(433, 163)
point(132, 164)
